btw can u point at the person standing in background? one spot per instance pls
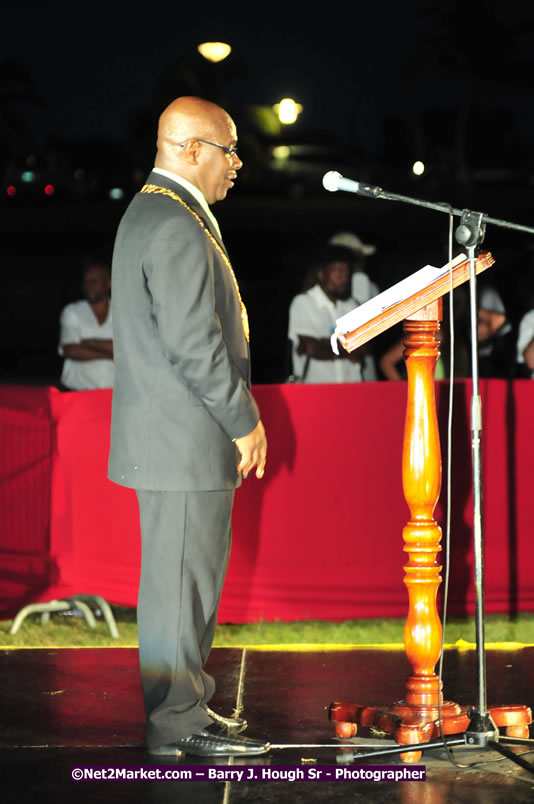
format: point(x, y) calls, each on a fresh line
point(86, 334)
point(312, 319)
point(362, 287)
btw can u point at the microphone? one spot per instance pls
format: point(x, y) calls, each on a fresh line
point(334, 181)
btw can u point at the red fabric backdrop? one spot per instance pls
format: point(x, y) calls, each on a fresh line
point(319, 537)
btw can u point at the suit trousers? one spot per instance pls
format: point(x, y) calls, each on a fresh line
point(186, 539)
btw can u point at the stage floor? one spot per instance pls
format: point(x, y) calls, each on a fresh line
point(71, 708)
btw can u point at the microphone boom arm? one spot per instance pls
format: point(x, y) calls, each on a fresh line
point(334, 181)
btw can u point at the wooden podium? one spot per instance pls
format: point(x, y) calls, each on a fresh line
point(415, 719)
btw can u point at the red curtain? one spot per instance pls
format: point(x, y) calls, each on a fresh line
point(320, 537)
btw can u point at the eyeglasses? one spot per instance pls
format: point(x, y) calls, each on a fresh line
point(231, 150)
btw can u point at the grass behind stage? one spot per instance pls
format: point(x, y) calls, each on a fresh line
point(69, 631)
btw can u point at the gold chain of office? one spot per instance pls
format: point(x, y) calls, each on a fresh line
point(154, 188)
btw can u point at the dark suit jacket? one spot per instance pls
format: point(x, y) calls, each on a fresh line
point(181, 391)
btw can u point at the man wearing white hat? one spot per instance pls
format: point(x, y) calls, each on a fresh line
point(312, 318)
point(362, 287)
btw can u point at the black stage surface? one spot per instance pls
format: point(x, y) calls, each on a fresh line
point(68, 708)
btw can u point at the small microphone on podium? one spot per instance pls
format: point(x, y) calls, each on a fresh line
point(334, 181)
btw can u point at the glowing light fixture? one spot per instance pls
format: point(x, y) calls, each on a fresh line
point(116, 193)
point(11, 190)
point(281, 152)
point(50, 189)
point(27, 176)
point(214, 51)
point(418, 168)
point(287, 110)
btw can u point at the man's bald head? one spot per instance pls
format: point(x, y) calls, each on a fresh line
point(182, 127)
point(188, 117)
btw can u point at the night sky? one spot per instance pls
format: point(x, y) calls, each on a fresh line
point(393, 79)
point(96, 63)
point(351, 65)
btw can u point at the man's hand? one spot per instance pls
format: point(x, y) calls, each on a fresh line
point(358, 355)
point(253, 450)
point(318, 348)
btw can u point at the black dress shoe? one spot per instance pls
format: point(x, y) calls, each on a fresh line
point(213, 741)
point(233, 724)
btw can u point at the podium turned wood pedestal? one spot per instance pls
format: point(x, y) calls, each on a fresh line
point(415, 719)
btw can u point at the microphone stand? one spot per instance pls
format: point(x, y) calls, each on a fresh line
point(482, 731)
point(370, 191)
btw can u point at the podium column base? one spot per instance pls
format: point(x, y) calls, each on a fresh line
point(410, 724)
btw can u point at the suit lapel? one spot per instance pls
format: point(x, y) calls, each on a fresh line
point(164, 181)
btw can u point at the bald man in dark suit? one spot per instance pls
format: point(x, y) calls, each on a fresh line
point(185, 427)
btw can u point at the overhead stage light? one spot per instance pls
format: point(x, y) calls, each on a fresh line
point(281, 152)
point(214, 51)
point(287, 110)
point(418, 168)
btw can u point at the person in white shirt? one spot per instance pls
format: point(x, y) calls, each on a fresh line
point(312, 318)
point(525, 342)
point(362, 286)
point(496, 342)
point(86, 334)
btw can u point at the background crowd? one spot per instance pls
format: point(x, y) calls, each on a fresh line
point(338, 280)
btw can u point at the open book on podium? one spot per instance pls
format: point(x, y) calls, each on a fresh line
point(403, 300)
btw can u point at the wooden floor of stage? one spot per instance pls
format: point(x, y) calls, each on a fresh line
point(70, 708)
